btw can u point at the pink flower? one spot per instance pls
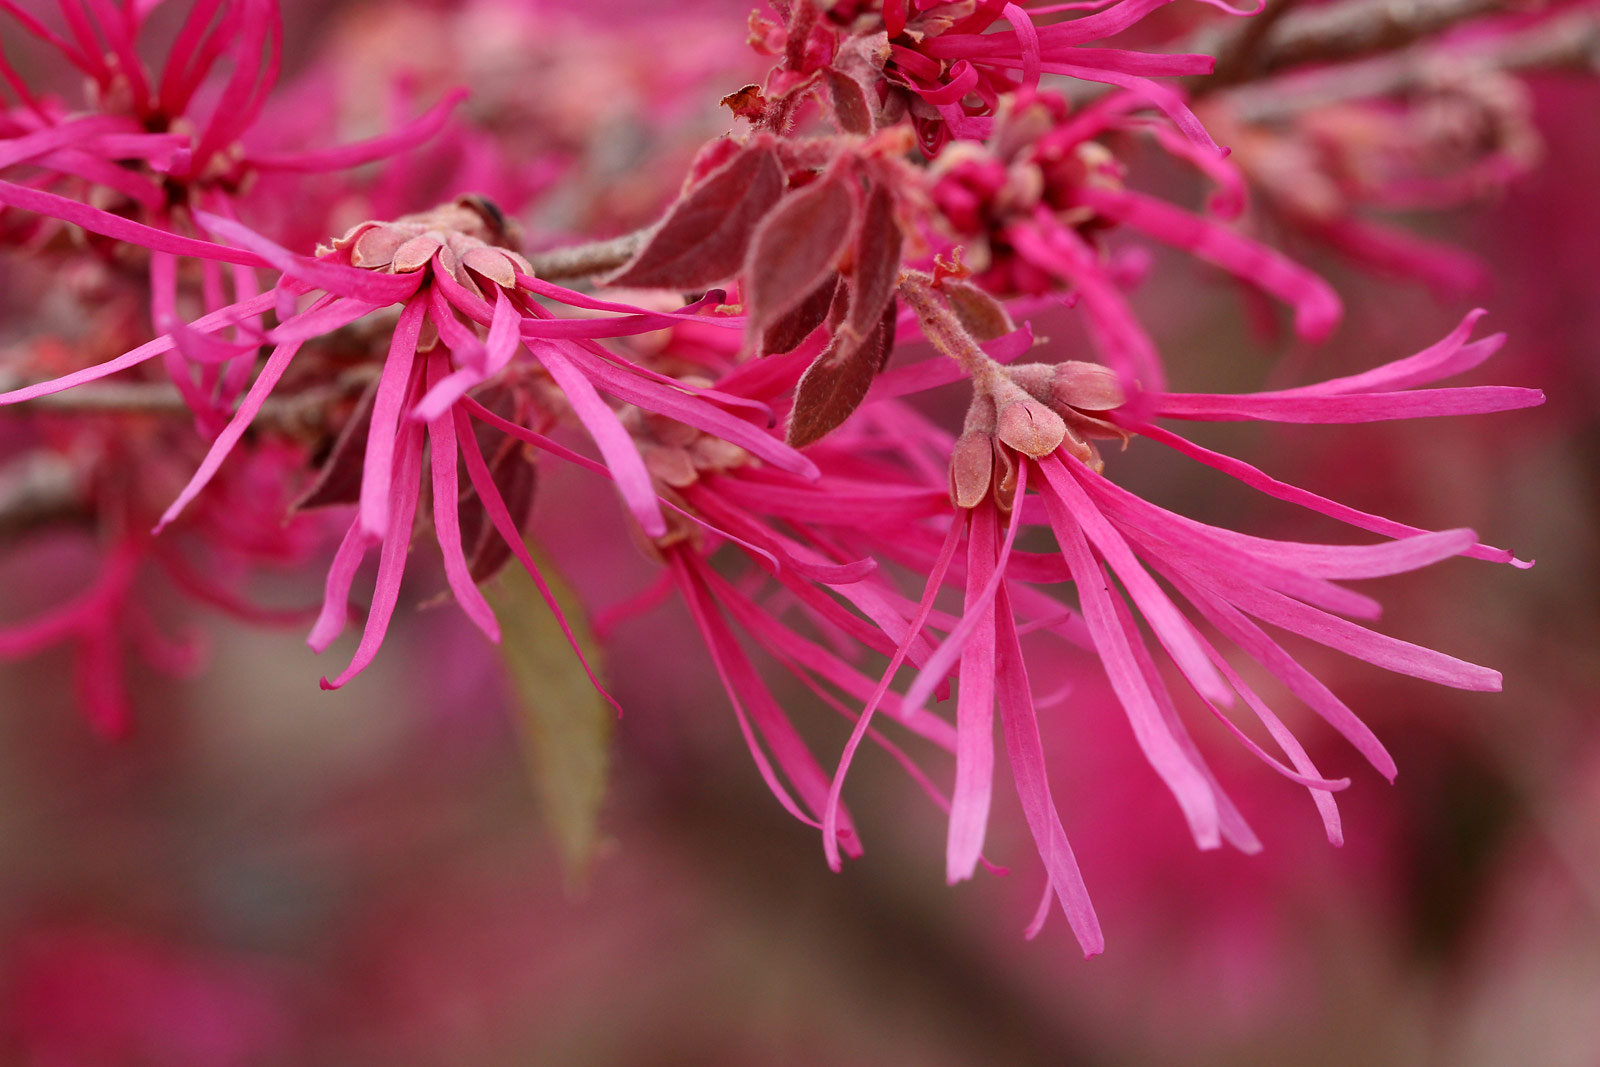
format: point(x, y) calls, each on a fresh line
point(156, 150)
point(443, 268)
point(1032, 427)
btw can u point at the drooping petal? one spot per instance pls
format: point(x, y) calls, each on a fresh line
point(618, 448)
point(405, 488)
point(1025, 751)
point(446, 518)
point(975, 685)
point(394, 387)
point(1155, 739)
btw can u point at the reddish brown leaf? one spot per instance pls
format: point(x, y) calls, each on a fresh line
point(796, 325)
point(984, 317)
point(796, 245)
point(338, 479)
point(746, 102)
point(877, 261)
point(834, 385)
point(887, 328)
point(705, 235)
point(849, 101)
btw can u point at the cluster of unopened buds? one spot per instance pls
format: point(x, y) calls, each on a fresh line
point(410, 371)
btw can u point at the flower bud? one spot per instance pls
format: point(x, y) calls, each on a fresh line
point(1030, 428)
point(971, 468)
point(1086, 386)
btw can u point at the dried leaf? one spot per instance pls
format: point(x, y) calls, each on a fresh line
point(338, 479)
point(877, 261)
point(836, 383)
point(565, 724)
point(796, 245)
point(746, 102)
point(984, 317)
point(849, 101)
point(795, 326)
point(705, 235)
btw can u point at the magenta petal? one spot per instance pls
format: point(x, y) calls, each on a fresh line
point(322, 320)
point(615, 444)
point(1155, 738)
point(744, 686)
point(502, 341)
point(117, 227)
point(1230, 822)
point(394, 385)
point(974, 788)
point(973, 616)
point(463, 343)
point(214, 321)
point(336, 591)
point(1299, 681)
point(1253, 559)
point(1025, 751)
point(1351, 408)
point(1445, 358)
point(483, 482)
point(447, 519)
point(1316, 305)
point(830, 817)
point(1258, 479)
point(382, 289)
point(1305, 771)
point(276, 364)
point(406, 487)
point(1380, 650)
point(422, 128)
point(1176, 634)
point(804, 655)
point(675, 403)
point(14, 150)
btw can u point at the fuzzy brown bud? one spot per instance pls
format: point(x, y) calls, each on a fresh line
point(971, 469)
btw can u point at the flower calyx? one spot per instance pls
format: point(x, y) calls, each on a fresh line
point(468, 235)
point(1032, 410)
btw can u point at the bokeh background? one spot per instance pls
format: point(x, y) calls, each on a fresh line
point(264, 873)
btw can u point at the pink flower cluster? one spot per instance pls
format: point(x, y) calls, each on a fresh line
point(903, 179)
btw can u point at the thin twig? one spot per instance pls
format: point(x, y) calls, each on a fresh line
point(297, 414)
point(1330, 33)
point(586, 260)
point(1237, 52)
point(1567, 42)
point(37, 490)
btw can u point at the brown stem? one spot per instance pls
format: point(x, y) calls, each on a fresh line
point(1237, 52)
point(1570, 41)
point(302, 413)
point(1347, 30)
point(586, 260)
point(36, 490)
point(944, 330)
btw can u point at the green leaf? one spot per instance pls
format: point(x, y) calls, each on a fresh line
point(564, 723)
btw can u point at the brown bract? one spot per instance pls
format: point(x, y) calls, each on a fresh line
point(461, 233)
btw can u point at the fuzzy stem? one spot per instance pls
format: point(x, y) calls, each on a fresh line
point(941, 327)
point(585, 260)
